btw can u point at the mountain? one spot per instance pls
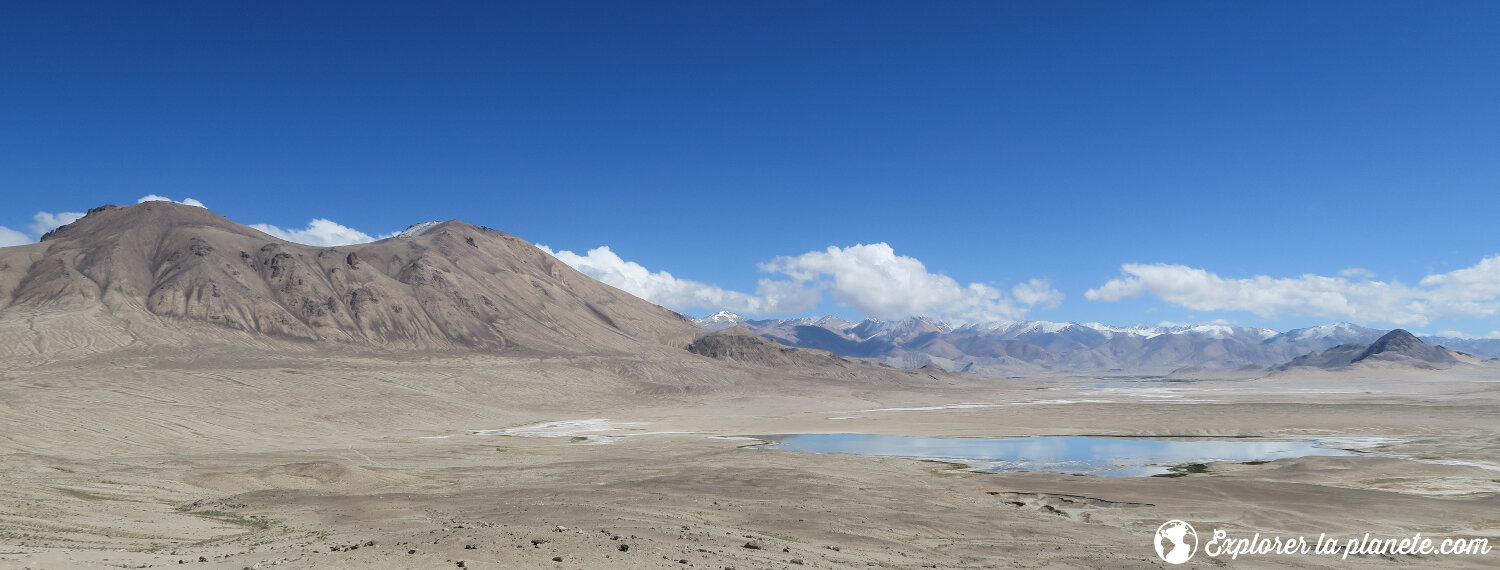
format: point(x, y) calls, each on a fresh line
point(1486, 347)
point(1004, 348)
point(1337, 333)
point(1396, 347)
point(165, 274)
point(720, 321)
point(738, 344)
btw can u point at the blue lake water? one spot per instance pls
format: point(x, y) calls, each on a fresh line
point(1107, 456)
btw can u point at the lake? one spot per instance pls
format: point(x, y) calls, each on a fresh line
point(1081, 455)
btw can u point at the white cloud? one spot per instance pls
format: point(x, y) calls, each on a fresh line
point(1037, 292)
point(1357, 273)
point(1464, 293)
point(1472, 291)
point(875, 281)
point(870, 278)
point(10, 237)
point(666, 290)
point(44, 222)
point(319, 232)
point(156, 198)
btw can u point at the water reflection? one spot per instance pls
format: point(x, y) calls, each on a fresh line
point(1070, 454)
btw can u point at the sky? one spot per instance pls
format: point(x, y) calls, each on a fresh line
point(1272, 164)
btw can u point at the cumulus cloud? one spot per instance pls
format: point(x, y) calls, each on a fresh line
point(10, 237)
point(319, 232)
point(1466, 293)
point(872, 279)
point(156, 198)
point(1469, 291)
point(666, 290)
point(875, 281)
point(44, 222)
point(1037, 292)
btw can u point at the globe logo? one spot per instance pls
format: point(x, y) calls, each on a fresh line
point(1176, 541)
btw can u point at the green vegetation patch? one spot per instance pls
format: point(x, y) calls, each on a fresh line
point(1184, 469)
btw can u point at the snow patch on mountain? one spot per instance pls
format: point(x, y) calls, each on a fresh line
point(417, 229)
point(721, 320)
point(1224, 331)
point(1334, 330)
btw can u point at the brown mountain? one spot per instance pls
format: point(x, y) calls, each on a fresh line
point(1397, 347)
point(164, 274)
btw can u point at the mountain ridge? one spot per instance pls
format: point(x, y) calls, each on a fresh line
point(140, 274)
point(1004, 348)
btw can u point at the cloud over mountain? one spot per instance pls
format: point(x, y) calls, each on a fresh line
point(10, 237)
point(1037, 292)
point(156, 198)
point(872, 279)
point(877, 282)
point(43, 222)
point(1468, 292)
point(667, 290)
point(320, 232)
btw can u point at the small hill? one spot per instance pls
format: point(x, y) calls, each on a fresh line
point(1401, 346)
point(745, 349)
point(1397, 347)
point(739, 344)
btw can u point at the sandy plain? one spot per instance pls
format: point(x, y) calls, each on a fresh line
point(237, 458)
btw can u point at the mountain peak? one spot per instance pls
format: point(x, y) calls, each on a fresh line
point(721, 320)
point(145, 217)
point(417, 229)
point(1404, 346)
point(725, 316)
point(1395, 340)
point(1397, 346)
point(1340, 333)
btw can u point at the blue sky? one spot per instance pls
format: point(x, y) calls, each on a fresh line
point(1275, 164)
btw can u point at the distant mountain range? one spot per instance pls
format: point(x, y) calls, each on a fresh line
point(1004, 348)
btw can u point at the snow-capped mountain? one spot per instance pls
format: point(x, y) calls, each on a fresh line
point(1223, 332)
point(721, 320)
point(1339, 333)
point(1010, 347)
point(417, 229)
